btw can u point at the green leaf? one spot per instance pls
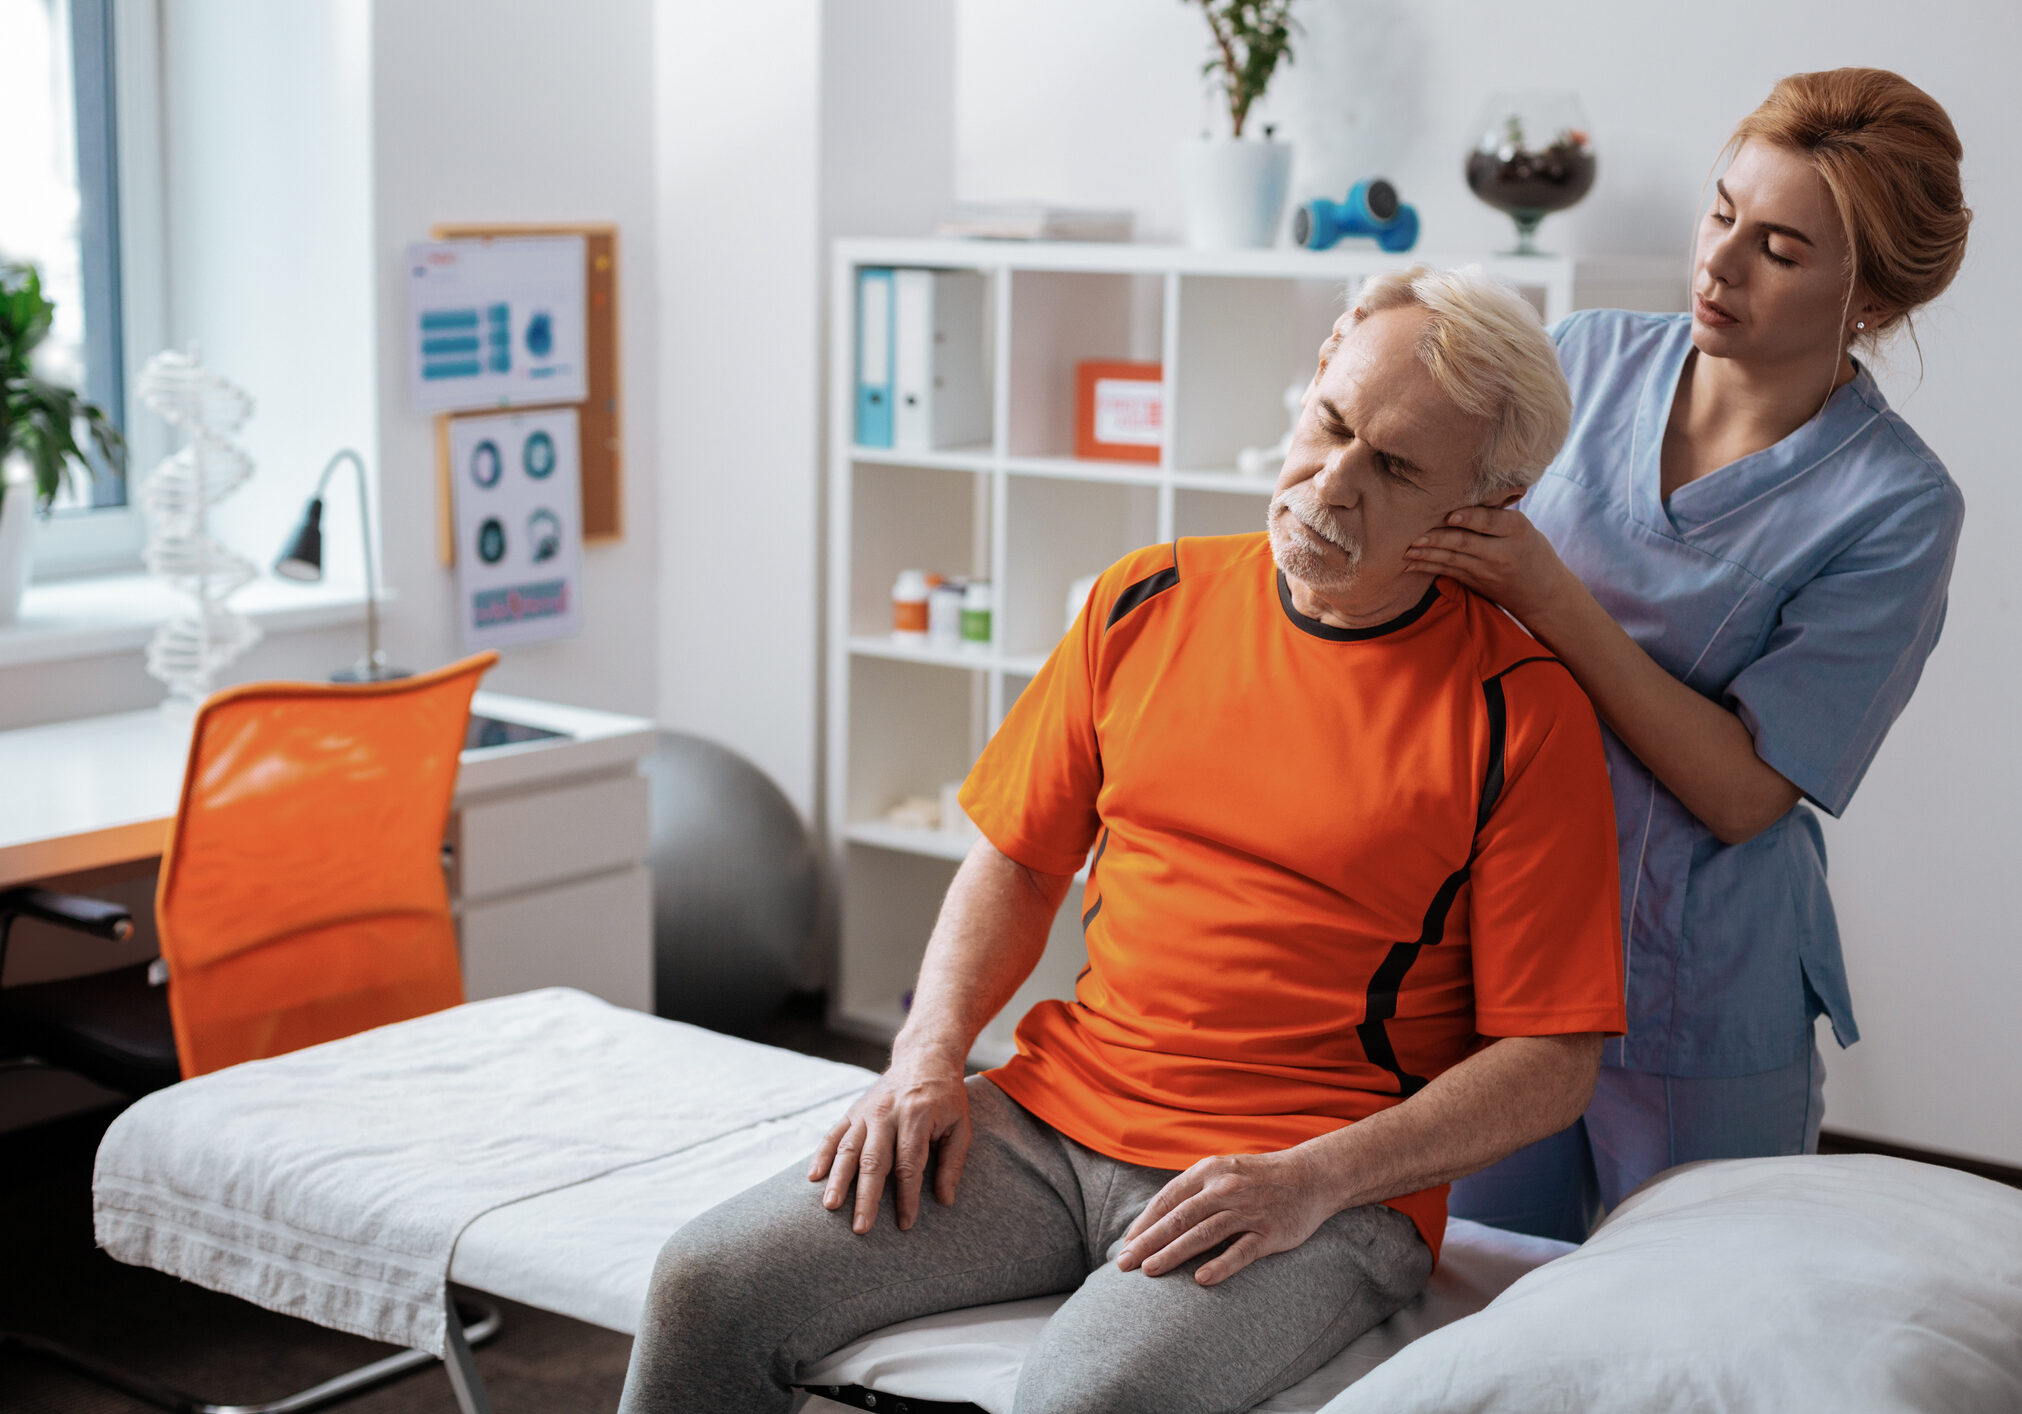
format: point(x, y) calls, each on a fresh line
point(1251, 39)
point(39, 419)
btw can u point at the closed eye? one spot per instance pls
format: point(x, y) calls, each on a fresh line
point(1391, 469)
point(1727, 219)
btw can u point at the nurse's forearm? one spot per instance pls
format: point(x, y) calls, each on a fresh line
point(1702, 752)
point(991, 932)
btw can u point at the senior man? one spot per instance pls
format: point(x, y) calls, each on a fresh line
point(1352, 933)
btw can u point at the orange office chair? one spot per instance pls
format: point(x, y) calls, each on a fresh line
point(302, 895)
point(301, 899)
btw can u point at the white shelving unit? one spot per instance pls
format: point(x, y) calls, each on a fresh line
point(1232, 330)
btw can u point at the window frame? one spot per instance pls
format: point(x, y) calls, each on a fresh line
point(115, 59)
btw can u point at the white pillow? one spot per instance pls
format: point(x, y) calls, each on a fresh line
point(1846, 1283)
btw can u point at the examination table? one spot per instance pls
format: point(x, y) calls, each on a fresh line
point(541, 1148)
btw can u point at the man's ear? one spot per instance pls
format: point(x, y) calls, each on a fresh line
point(1508, 500)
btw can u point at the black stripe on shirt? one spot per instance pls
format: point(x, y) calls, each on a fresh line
point(1146, 588)
point(1387, 981)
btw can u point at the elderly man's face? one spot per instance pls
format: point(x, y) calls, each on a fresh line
point(1381, 456)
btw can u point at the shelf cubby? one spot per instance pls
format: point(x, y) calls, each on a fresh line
point(915, 727)
point(1055, 533)
point(912, 516)
point(1059, 318)
point(892, 895)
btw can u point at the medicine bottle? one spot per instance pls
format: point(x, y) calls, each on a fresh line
point(944, 614)
point(909, 606)
point(976, 606)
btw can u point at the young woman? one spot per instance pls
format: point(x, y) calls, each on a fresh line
point(1742, 554)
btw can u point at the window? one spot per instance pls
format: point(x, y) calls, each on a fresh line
point(60, 210)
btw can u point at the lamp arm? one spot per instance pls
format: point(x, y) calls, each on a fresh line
point(365, 525)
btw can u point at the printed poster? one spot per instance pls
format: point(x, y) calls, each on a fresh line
point(518, 500)
point(496, 323)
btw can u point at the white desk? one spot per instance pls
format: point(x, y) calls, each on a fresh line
point(548, 838)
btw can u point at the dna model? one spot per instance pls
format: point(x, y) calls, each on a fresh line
point(189, 650)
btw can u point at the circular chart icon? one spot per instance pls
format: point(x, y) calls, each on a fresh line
point(491, 544)
point(540, 335)
point(538, 456)
point(486, 465)
point(544, 533)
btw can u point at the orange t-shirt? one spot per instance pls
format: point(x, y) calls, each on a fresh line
point(1326, 861)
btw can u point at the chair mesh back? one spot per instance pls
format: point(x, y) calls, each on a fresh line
point(302, 895)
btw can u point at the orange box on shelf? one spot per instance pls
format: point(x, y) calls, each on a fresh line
point(1119, 411)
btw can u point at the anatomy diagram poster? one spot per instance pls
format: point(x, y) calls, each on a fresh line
point(495, 324)
point(518, 526)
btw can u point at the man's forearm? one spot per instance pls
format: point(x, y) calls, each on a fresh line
point(1512, 1092)
point(990, 934)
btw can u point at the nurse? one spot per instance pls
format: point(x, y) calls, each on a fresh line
point(1742, 555)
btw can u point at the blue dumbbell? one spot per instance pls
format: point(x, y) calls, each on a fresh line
point(1372, 209)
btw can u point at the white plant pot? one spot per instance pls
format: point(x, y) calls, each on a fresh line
point(1234, 190)
point(17, 527)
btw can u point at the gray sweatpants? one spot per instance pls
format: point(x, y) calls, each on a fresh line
point(769, 1280)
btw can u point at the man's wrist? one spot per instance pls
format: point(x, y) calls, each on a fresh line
point(1332, 1172)
point(927, 1051)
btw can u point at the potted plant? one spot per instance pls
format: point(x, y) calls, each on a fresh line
point(39, 425)
point(1235, 185)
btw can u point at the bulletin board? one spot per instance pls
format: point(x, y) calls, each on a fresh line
point(602, 459)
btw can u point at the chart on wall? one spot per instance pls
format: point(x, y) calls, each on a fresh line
point(518, 526)
point(493, 324)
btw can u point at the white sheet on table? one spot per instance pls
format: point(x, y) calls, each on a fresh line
point(587, 1250)
point(975, 1355)
point(333, 1183)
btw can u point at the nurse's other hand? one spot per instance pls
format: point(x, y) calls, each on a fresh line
point(1498, 554)
point(890, 1133)
point(1265, 1202)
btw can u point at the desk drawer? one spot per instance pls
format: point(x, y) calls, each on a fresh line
point(594, 934)
point(520, 842)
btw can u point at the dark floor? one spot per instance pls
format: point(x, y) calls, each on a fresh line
point(55, 1284)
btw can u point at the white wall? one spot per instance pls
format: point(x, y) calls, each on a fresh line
point(267, 171)
point(526, 113)
point(840, 123)
point(1081, 103)
point(736, 177)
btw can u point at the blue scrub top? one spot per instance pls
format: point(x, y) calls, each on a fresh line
point(1801, 587)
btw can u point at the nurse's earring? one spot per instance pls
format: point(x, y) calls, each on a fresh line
point(1860, 324)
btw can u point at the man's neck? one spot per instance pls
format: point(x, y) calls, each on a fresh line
point(1355, 607)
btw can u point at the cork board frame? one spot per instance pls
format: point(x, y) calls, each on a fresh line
point(599, 415)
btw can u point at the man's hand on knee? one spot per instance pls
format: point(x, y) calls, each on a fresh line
point(1257, 1203)
point(901, 1122)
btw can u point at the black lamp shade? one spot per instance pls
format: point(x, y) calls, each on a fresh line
point(303, 559)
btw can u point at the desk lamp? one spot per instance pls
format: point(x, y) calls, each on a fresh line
point(303, 560)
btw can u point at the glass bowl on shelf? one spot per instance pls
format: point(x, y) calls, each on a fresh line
point(1532, 155)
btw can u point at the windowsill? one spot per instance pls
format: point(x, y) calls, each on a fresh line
point(85, 618)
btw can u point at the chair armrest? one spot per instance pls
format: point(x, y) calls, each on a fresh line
point(84, 915)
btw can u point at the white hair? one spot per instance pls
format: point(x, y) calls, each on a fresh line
point(1487, 349)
